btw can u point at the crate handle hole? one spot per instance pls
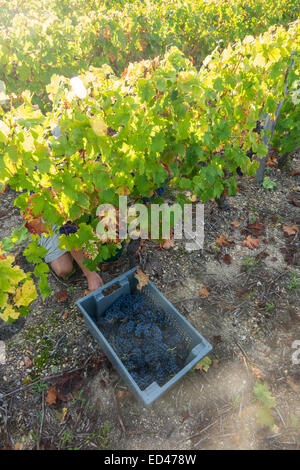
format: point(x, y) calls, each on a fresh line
point(109, 290)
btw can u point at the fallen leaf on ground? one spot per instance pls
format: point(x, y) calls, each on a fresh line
point(64, 388)
point(290, 230)
point(51, 396)
point(222, 240)
point(204, 364)
point(256, 228)
point(294, 172)
point(262, 255)
point(251, 243)
point(61, 416)
point(258, 373)
point(65, 315)
point(272, 160)
point(204, 293)
point(122, 394)
point(167, 244)
point(290, 253)
point(62, 295)
point(235, 224)
point(67, 384)
point(28, 362)
point(294, 198)
point(226, 259)
point(142, 278)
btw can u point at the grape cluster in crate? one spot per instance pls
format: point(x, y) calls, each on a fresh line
point(144, 339)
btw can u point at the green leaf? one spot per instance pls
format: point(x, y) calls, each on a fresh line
point(161, 83)
point(145, 89)
point(44, 287)
point(158, 143)
point(7, 244)
point(34, 253)
point(204, 364)
point(185, 183)
point(268, 183)
point(218, 84)
point(41, 269)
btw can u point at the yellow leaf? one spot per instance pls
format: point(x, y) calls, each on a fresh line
point(25, 294)
point(4, 132)
point(98, 126)
point(3, 299)
point(259, 61)
point(275, 54)
point(61, 416)
point(9, 313)
point(28, 143)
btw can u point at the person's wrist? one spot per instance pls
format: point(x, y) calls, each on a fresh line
point(91, 274)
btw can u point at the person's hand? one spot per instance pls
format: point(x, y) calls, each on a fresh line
point(94, 281)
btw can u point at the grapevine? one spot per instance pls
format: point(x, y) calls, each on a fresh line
point(159, 122)
point(39, 39)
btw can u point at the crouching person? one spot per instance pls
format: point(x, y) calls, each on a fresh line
point(62, 261)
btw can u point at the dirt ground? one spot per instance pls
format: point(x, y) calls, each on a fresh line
point(244, 301)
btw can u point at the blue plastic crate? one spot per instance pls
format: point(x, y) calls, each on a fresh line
point(95, 304)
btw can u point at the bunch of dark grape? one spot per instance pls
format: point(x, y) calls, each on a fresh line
point(144, 339)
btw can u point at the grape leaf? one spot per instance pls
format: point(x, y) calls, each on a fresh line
point(251, 243)
point(142, 278)
point(204, 364)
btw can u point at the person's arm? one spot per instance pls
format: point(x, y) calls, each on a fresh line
point(94, 280)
